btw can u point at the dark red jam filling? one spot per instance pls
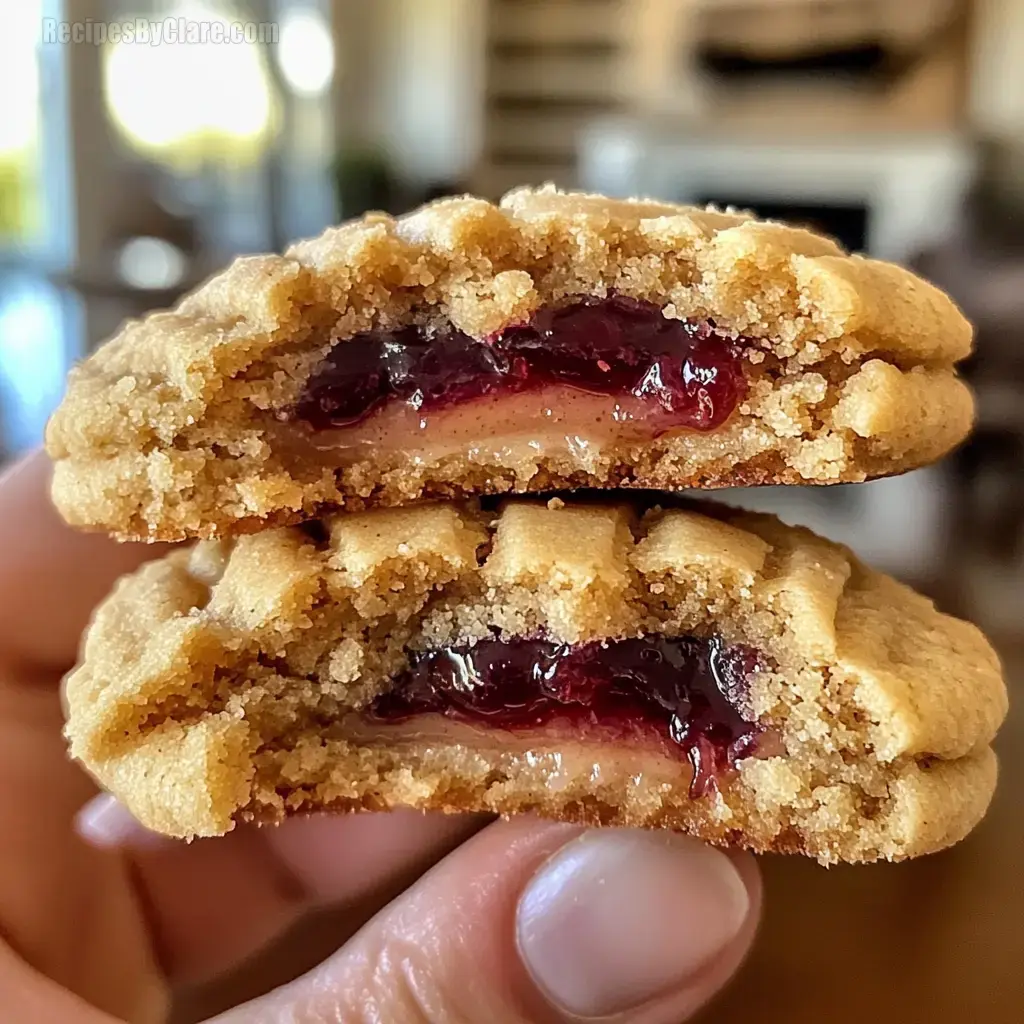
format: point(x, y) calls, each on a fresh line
point(688, 691)
point(615, 346)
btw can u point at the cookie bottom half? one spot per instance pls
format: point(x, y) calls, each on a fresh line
point(611, 663)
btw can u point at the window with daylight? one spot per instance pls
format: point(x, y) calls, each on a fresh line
point(39, 320)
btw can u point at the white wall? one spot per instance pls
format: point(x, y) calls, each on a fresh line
point(997, 89)
point(411, 80)
point(434, 103)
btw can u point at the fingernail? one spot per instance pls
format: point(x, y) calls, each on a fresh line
point(617, 918)
point(105, 823)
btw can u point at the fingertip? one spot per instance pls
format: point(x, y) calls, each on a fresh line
point(51, 575)
point(534, 920)
point(104, 822)
point(620, 919)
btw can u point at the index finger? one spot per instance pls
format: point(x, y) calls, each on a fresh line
point(51, 576)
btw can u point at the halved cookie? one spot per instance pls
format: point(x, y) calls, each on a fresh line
point(710, 671)
point(554, 341)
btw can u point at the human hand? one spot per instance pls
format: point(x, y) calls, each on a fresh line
point(512, 921)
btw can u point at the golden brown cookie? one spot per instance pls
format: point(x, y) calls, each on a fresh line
point(554, 341)
point(711, 671)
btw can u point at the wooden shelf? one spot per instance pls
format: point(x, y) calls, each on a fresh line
point(553, 67)
point(546, 22)
point(558, 75)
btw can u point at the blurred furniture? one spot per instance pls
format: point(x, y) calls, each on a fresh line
point(795, 68)
point(552, 66)
point(982, 266)
point(811, 65)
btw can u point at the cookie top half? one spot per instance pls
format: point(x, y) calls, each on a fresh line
point(552, 341)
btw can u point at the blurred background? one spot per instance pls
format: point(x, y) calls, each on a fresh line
point(139, 150)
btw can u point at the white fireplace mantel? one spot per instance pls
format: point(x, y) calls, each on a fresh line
point(912, 186)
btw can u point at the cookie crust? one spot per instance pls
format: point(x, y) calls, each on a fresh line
point(164, 432)
point(224, 683)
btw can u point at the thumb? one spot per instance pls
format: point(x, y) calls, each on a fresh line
point(531, 923)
